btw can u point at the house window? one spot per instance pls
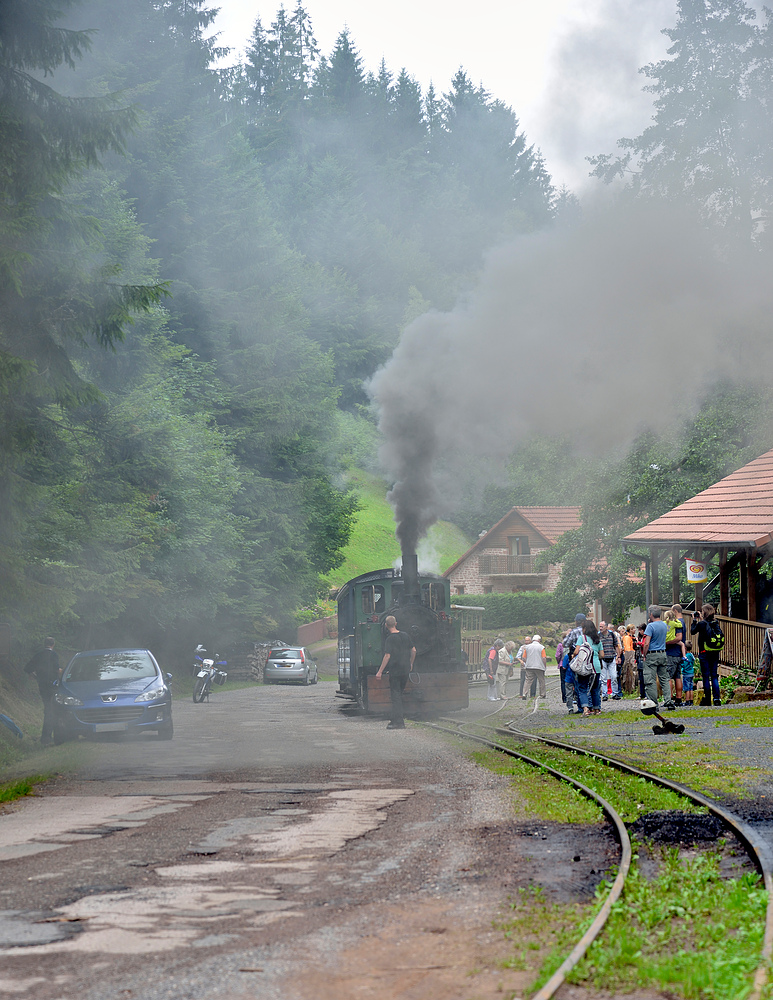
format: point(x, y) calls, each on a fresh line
point(488, 590)
point(460, 590)
point(519, 545)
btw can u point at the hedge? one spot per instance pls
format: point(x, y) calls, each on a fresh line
point(527, 608)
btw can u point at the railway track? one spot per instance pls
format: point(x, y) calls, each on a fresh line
point(759, 850)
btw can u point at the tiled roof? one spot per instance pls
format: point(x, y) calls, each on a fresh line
point(736, 512)
point(550, 522)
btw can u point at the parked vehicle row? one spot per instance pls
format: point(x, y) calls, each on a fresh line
point(125, 690)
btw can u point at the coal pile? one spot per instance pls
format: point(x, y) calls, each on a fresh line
point(671, 826)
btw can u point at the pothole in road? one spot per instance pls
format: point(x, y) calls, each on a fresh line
point(278, 851)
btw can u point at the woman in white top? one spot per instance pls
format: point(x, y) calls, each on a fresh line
point(504, 668)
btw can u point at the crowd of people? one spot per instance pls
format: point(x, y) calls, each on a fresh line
point(598, 664)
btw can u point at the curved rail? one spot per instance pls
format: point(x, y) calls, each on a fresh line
point(756, 847)
point(590, 935)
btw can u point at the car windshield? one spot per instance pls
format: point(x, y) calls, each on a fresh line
point(123, 665)
point(285, 654)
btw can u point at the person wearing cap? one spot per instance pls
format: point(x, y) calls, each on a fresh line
point(575, 635)
point(536, 663)
point(655, 658)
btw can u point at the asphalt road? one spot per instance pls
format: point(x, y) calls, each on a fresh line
point(279, 846)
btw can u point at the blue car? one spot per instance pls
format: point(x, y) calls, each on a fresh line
point(113, 691)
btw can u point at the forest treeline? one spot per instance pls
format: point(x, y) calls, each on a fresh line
point(201, 267)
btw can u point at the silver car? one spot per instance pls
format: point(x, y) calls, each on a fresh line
point(290, 664)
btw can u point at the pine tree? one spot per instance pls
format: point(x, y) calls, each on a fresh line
point(712, 122)
point(52, 289)
point(343, 80)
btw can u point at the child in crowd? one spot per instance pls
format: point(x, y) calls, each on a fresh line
point(673, 625)
point(688, 674)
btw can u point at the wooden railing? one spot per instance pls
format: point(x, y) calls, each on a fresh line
point(743, 641)
point(499, 564)
point(473, 647)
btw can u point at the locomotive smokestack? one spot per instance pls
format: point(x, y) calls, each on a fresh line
point(411, 592)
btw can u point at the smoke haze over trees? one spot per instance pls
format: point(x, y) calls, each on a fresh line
point(201, 274)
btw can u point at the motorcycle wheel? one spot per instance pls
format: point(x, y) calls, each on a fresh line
point(200, 691)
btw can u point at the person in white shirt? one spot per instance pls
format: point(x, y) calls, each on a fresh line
point(535, 660)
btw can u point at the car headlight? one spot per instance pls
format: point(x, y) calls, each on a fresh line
point(152, 695)
point(66, 699)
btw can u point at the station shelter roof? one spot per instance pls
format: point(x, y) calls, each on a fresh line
point(735, 513)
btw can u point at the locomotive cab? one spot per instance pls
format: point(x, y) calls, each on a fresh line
point(421, 606)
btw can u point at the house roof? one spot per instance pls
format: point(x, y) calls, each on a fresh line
point(550, 522)
point(736, 512)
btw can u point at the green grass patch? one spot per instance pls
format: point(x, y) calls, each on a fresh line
point(689, 932)
point(708, 767)
point(539, 793)
point(12, 790)
point(631, 796)
point(544, 932)
point(373, 544)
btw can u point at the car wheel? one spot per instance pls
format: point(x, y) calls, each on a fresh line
point(166, 732)
point(316, 677)
point(267, 681)
point(307, 679)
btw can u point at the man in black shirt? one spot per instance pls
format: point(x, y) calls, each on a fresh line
point(45, 666)
point(399, 654)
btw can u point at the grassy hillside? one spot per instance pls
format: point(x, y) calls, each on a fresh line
point(373, 544)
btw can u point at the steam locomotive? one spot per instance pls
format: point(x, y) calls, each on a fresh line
point(422, 608)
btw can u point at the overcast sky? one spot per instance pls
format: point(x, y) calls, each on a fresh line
point(567, 67)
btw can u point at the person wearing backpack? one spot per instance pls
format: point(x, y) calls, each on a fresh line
point(711, 642)
point(586, 667)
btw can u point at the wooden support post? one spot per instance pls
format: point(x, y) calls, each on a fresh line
point(751, 586)
point(654, 564)
point(675, 595)
point(724, 584)
point(698, 586)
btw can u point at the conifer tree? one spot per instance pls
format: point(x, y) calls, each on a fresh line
point(711, 129)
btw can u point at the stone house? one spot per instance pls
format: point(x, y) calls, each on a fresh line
point(504, 558)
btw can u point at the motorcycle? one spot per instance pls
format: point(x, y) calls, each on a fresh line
point(207, 672)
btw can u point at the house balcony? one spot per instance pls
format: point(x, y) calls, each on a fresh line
point(503, 565)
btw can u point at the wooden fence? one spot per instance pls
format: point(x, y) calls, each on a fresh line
point(743, 641)
point(473, 647)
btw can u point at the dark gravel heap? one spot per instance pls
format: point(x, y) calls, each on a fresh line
point(671, 826)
